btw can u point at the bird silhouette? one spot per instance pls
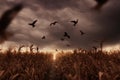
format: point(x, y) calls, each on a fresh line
point(74, 22)
point(62, 39)
point(100, 3)
point(6, 19)
point(81, 32)
point(68, 45)
point(66, 35)
point(43, 37)
point(33, 23)
point(56, 50)
point(53, 23)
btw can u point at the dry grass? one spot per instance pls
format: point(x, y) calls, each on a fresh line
point(76, 66)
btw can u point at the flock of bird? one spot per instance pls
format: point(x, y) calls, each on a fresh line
point(10, 14)
point(66, 35)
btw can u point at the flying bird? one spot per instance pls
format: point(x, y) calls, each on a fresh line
point(62, 39)
point(66, 35)
point(53, 23)
point(81, 32)
point(100, 4)
point(56, 50)
point(68, 45)
point(74, 22)
point(43, 37)
point(33, 23)
point(6, 19)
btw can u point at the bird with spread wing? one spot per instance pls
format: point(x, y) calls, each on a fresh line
point(66, 35)
point(74, 22)
point(33, 23)
point(53, 23)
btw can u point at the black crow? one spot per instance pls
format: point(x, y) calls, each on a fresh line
point(81, 32)
point(68, 45)
point(100, 3)
point(74, 22)
point(6, 19)
point(66, 35)
point(43, 37)
point(56, 50)
point(62, 39)
point(33, 23)
point(53, 23)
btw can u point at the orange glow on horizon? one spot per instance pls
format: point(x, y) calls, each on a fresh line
point(54, 51)
point(112, 48)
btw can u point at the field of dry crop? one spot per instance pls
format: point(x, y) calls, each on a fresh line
point(67, 66)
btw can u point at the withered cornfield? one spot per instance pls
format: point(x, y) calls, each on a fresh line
point(76, 65)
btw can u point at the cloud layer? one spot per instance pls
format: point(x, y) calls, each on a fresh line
point(97, 25)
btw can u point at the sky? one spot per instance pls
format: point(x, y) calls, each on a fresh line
point(97, 25)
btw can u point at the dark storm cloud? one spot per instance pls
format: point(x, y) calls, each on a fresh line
point(106, 22)
point(109, 23)
point(58, 4)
